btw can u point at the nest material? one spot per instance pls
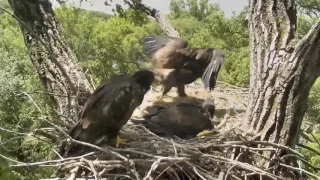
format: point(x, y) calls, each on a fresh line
point(148, 156)
point(226, 155)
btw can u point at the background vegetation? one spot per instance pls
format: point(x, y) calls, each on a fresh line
point(107, 44)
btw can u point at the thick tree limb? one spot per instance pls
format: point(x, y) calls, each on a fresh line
point(164, 23)
point(53, 60)
point(282, 72)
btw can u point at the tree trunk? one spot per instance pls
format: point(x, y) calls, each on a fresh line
point(53, 60)
point(282, 71)
point(165, 25)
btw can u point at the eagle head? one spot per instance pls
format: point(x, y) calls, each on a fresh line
point(209, 107)
point(144, 78)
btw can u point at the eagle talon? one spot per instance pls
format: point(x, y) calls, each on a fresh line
point(205, 133)
point(120, 141)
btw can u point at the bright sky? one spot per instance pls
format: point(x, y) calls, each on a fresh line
point(228, 6)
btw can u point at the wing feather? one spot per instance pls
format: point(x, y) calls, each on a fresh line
point(152, 44)
point(103, 89)
point(209, 77)
point(204, 61)
point(211, 59)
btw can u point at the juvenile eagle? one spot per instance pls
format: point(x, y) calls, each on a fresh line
point(110, 107)
point(175, 64)
point(183, 120)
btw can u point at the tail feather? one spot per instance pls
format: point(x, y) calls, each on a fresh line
point(209, 77)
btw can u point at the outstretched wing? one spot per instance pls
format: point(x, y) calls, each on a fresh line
point(163, 50)
point(153, 44)
point(205, 62)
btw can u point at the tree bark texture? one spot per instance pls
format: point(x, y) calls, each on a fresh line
point(53, 60)
point(282, 71)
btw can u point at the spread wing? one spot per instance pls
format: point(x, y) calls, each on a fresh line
point(163, 50)
point(203, 62)
point(153, 44)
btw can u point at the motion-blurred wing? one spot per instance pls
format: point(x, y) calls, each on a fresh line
point(210, 75)
point(209, 63)
point(152, 44)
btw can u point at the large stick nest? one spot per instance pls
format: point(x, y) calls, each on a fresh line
point(224, 155)
point(149, 156)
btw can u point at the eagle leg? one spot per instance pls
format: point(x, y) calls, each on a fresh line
point(181, 90)
point(120, 141)
point(205, 133)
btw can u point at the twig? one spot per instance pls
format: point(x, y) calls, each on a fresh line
point(174, 148)
point(96, 175)
point(154, 166)
point(73, 173)
point(237, 87)
point(309, 148)
point(53, 162)
point(299, 169)
point(315, 139)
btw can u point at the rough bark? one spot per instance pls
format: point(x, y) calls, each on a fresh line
point(282, 71)
point(53, 60)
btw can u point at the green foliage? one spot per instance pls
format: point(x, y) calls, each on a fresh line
point(309, 7)
point(313, 112)
point(105, 47)
point(304, 24)
point(197, 9)
point(312, 157)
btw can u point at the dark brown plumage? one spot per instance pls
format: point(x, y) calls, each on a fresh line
point(184, 120)
point(110, 107)
point(175, 64)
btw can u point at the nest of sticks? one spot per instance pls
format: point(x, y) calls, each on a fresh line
point(224, 155)
point(148, 156)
